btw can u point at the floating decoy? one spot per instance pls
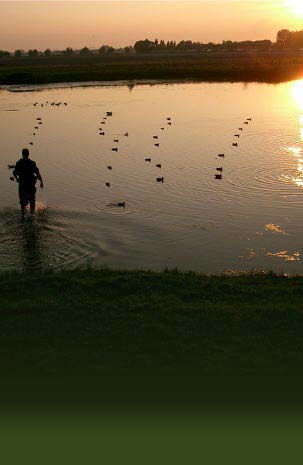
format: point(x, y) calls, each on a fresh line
point(126, 134)
point(155, 137)
point(41, 104)
point(160, 179)
point(38, 119)
point(110, 167)
point(115, 149)
point(240, 129)
point(107, 184)
point(246, 122)
point(148, 159)
point(11, 167)
point(169, 123)
point(34, 133)
point(104, 117)
point(101, 133)
point(31, 143)
point(168, 119)
point(218, 176)
point(248, 119)
point(121, 204)
point(36, 127)
point(219, 169)
point(162, 129)
point(235, 144)
point(221, 155)
point(116, 140)
point(65, 103)
point(157, 144)
point(237, 135)
point(35, 104)
point(102, 122)
point(109, 113)
point(158, 165)
point(53, 103)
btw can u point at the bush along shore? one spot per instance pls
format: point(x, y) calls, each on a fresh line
point(269, 67)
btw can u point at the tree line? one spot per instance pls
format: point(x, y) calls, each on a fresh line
point(286, 40)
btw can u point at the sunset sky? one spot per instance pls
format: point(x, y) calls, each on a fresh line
point(53, 24)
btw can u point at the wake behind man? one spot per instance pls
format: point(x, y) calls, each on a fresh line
point(26, 174)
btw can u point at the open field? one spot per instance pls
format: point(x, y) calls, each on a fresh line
point(262, 67)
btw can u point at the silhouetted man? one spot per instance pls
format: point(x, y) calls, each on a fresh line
point(26, 174)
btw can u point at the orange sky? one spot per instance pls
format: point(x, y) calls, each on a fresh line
point(53, 24)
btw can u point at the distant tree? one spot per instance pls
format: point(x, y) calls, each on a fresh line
point(127, 49)
point(284, 38)
point(33, 53)
point(110, 50)
point(47, 52)
point(68, 51)
point(146, 45)
point(18, 53)
point(84, 51)
point(4, 53)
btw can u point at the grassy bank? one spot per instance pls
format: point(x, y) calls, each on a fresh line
point(102, 321)
point(274, 67)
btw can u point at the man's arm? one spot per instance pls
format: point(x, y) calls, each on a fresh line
point(16, 172)
point(37, 172)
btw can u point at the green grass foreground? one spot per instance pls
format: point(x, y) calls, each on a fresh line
point(232, 67)
point(103, 321)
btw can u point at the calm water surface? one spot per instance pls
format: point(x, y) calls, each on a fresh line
point(251, 219)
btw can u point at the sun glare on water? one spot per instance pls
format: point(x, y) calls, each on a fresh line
point(296, 6)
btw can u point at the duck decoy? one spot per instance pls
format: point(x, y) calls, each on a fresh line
point(53, 103)
point(248, 119)
point(110, 167)
point(11, 167)
point(162, 129)
point(101, 133)
point(35, 104)
point(148, 159)
point(157, 145)
point(40, 122)
point(155, 137)
point(102, 122)
point(107, 184)
point(104, 117)
point(221, 155)
point(65, 104)
point(168, 119)
point(126, 134)
point(246, 122)
point(240, 129)
point(109, 113)
point(115, 149)
point(36, 127)
point(158, 165)
point(121, 204)
point(218, 176)
point(38, 119)
point(235, 144)
point(34, 133)
point(161, 179)
point(31, 143)
point(219, 169)
point(237, 135)
point(169, 123)
point(116, 140)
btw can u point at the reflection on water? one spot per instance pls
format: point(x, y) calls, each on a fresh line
point(251, 218)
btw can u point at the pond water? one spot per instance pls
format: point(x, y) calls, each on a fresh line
point(250, 219)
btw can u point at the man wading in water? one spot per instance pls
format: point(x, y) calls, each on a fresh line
point(26, 174)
